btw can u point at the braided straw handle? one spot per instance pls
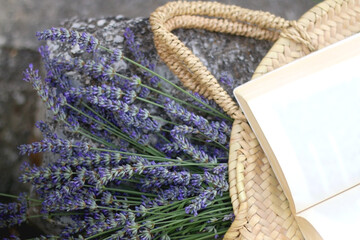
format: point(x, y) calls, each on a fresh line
point(195, 76)
point(227, 19)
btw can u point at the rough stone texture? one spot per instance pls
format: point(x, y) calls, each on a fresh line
point(17, 107)
point(21, 19)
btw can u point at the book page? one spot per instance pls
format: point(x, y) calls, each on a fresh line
point(313, 127)
point(336, 218)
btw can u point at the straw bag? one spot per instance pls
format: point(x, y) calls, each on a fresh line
point(260, 206)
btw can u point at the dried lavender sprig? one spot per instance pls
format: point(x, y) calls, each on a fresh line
point(54, 102)
point(14, 213)
point(174, 85)
point(202, 109)
point(178, 134)
point(84, 40)
point(89, 42)
point(157, 158)
point(107, 91)
point(114, 130)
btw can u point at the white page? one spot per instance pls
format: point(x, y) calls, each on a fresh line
point(338, 217)
point(313, 127)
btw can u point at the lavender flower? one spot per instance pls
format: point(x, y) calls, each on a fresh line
point(13, 213)
point(54, 101)
point(45, 129)
point(139, 56)
point(227, 80)
point(201, 202)
point(210, 130)
point(110, 92)
point(58, 201)
point(220, 182)
point(56, 145)
point(202, 99)
point(85, 40)
point(178, 134)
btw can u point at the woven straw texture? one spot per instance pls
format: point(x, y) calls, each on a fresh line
point(260, 206)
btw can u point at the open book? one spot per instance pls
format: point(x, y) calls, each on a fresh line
point(306, 116)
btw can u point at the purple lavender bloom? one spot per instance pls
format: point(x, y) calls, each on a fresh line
point(59, 201)
point(54, 102)
point(14, 213)
point(56, 69)
point(102, 176)
point(202, 99)
point(227, 80)
point(201, 202)
point(159, 176)
point(229, 217)
point(145, 234)
point(178, 134)
point(45, 129)
point(144, 92)
point(218, 181)
point(85, 40)
point(116, 56)
point(176, 193)
point(225, 128)
point(126, 113)
point(139, 56)
point(129, 97)
point(132, 45)
point(88, 42)
point(221, 169)
point(176, 110)
point(57, 145)
point(170, 148)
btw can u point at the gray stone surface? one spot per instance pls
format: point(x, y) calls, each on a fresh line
point(21, 19)
point(17, 108)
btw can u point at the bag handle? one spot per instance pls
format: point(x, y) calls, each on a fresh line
point(217, 17)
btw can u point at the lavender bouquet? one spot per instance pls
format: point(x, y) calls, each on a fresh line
point(134, 155)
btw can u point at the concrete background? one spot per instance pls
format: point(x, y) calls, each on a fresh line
point(19, 21)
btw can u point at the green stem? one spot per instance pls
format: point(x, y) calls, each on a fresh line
point(150, 102)
point(116, 132)
point(13, 196)
point(190, 218)
point(111, 130)
point(103, 233)
point(161, 119)
point(149, 157)
point(179, 100)
point(55, 214)
point(125, 191)
point(177, 87)
point(163, 137)
point(127, 210)
point(95, 138)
